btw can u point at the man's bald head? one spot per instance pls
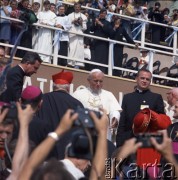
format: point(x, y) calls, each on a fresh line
point(172, 96)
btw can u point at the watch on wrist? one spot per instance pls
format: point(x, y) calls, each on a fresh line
point(53, 135)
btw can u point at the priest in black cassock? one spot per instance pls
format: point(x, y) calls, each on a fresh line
point(54, 106)
point(101, 28)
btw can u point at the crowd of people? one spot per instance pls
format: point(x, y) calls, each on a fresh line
point(70, 136)
point(100, 23)
point(58, 135)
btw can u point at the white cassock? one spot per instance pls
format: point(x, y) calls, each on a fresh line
point(76, 44)
point(104, 99)
point(61, 35)
point(45, 36)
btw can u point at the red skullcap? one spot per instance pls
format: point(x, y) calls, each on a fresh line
point(63, 77)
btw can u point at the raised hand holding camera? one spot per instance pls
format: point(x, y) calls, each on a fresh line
point(66, 122)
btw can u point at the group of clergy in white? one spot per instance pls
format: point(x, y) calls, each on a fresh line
point(48, 40)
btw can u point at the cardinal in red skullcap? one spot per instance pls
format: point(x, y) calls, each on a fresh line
point(62, 77)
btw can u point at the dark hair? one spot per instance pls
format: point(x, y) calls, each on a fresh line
point(77, 3)
point(103, 10)
point(143, 70)
point(31, 57)
point(13, 1)
point(52, 4)
point(46, 2)
point(36, 3)
point(52, 170)
point(61, 6)
point(158, 4)
point(8, 121)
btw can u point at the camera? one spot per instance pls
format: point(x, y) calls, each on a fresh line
point(85, 118)
point(77, 22)
point(145, 139)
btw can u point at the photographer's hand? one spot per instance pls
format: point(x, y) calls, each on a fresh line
point(130, 147)
point(25, 115)
point(165, 148)
point(66, 122)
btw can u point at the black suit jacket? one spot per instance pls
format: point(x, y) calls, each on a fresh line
point(131, 106)
point(14, 83)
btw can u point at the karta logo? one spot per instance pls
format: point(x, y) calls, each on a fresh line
point(121, 168)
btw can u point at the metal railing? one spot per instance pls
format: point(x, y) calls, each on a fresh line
point(110, 65)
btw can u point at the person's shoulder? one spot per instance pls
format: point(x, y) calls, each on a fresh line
point(80, 91)
point(15, 69)
point(104, 91)
point(130, 94)
point(154, 94)
point(52, 13)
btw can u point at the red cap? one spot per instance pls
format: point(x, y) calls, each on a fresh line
point(141, 121)
point(62, 77)
point(149, 121)
point(31, 92)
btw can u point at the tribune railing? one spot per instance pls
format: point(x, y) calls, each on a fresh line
point(143, 44)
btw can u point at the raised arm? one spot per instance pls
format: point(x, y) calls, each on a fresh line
point(98, 164)
point(22, 148)
point(41, 152)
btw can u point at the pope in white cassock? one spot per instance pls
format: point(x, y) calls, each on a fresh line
point(94, 97)
point(76, 42)
point(45, 36)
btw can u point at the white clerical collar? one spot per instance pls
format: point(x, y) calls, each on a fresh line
point(21, 68)
point(140, 91)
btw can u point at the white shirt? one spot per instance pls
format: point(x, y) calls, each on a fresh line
point(69, 165)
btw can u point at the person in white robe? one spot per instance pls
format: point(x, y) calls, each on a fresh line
point(172, 98)
point(94, 98)
point(45, 36)
point(76, 45)
point(61, 38)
